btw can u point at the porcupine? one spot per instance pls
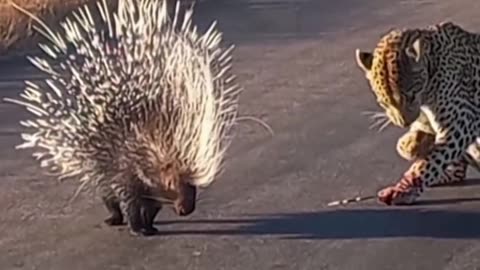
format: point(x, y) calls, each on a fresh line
point(136, 106)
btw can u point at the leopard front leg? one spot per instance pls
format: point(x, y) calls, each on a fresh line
point(418, 141)
point(428, 171)
point(416, 144)
point(473, 156)
point(455, 173)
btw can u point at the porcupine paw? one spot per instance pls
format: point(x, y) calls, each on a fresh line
point(149, 231)
point(149, 212)
point(116, 217)
point(114, 220)
point(142, 230)
point(138, 225)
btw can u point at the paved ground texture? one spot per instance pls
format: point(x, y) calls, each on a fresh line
point(296, 62)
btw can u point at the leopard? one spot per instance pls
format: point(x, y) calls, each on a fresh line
point(427, 79)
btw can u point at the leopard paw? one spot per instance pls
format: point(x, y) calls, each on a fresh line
point(395, 195)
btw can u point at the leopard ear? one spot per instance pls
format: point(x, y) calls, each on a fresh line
point(364, 60)
point(415, 51)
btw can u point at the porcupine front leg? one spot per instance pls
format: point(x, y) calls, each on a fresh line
point(131, 205)
point(112, 204)
point(150, 209)
point(113, 207)
point(428, 171)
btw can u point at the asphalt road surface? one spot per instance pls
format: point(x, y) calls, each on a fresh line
point(267, 211)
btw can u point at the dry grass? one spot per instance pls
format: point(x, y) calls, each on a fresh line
point(16, 33)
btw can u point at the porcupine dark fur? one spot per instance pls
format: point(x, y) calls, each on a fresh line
point(138, 106)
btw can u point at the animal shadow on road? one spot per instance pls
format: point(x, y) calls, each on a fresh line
point(465, 184)
point(343, 224)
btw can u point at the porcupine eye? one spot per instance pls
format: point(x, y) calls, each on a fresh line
point(170, 184)
point(168, 177)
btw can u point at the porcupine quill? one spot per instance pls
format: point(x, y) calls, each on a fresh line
point(352, 200)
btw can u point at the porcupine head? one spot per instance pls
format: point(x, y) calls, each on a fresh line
point(144, 102)
point(162, 177)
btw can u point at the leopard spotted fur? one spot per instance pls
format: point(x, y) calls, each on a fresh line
point(428, 80)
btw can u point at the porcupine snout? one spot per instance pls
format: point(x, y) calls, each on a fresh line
point(185, 203)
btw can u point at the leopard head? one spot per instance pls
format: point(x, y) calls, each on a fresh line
point(397, 73)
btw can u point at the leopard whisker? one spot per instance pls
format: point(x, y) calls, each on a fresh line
point(377, 122)
point(369, 112)
point(385, 125)
point(374, 114)
point(380, 120)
